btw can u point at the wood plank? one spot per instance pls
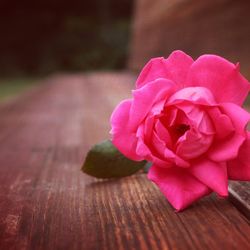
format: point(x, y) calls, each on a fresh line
point(47, 203)
point(240, 196)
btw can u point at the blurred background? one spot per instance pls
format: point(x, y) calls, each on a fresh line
point(40, 38)
point(44, 37)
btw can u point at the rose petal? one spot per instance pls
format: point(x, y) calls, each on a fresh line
point(159, 150)
point(198, 95)
point(180, 188)
point(221, 77)
point(170, 115)
point(144, 135)
point(178, 161)
point(157, 145)
point(153, 70)
point(221, 122)
point(239, 168)
point(166, 153)
point(212, 174)
point(121, 134)
point(227, 149)
point(198, 117)
point(143, 150)
point(145, 130)
point(238, 116)
point(175, 68)
point(193, 144)
point(177, 65)
point(148, 96)
point(163, 134)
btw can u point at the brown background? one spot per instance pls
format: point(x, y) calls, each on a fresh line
point(197, 27)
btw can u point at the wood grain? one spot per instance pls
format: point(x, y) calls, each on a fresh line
point(240, 196)
point(47, 203)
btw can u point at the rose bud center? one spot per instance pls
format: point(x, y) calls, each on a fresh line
point(180, 129)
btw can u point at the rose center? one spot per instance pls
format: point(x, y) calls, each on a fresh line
point(179, 129)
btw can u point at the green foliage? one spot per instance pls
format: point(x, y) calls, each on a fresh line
point(14, 86)
point(105, 161)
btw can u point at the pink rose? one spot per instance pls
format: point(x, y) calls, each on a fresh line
point(186, 118)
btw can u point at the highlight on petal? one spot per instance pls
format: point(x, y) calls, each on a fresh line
point(175, 68)
point(221, 77)
point(239, 168)
point(121, 134)
point(179, 186)
point(213, 174)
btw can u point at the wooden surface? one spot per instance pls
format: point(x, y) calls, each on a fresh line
point(47, 203)
point(240, 196)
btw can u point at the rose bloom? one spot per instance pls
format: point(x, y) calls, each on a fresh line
point(186, 118)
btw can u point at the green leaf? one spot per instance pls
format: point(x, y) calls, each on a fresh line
point(147, 166)
point(105, 161)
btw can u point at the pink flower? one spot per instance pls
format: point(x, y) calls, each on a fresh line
point(186, 118)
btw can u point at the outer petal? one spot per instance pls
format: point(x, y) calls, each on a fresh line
point(175, 68)
point(239, 168)
point(222, 123)
point(149, 98)
point(180, 188)
point(123, 138)
point(238, 116)
point(153, 70)
point(213, 174)
point(227, 149)
point(177, 65)
point(221, 77)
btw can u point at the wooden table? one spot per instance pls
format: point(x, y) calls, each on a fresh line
point(46, 202)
